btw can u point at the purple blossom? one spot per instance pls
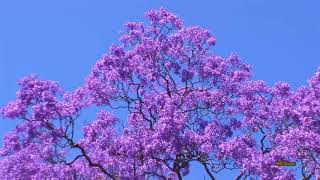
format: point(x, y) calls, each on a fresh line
point(184, 104)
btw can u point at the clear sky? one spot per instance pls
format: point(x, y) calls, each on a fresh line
point(60, 40)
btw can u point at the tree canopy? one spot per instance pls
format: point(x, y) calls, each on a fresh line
point(184, 104)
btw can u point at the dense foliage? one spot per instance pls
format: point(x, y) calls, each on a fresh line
point(184, 104)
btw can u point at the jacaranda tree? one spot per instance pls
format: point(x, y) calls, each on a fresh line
point(183, 104)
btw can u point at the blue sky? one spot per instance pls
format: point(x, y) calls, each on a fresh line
point(61, 40)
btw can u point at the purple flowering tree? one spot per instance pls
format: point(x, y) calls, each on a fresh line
point(184, 104)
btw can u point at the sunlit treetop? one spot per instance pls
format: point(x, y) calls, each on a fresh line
point(184, 104)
